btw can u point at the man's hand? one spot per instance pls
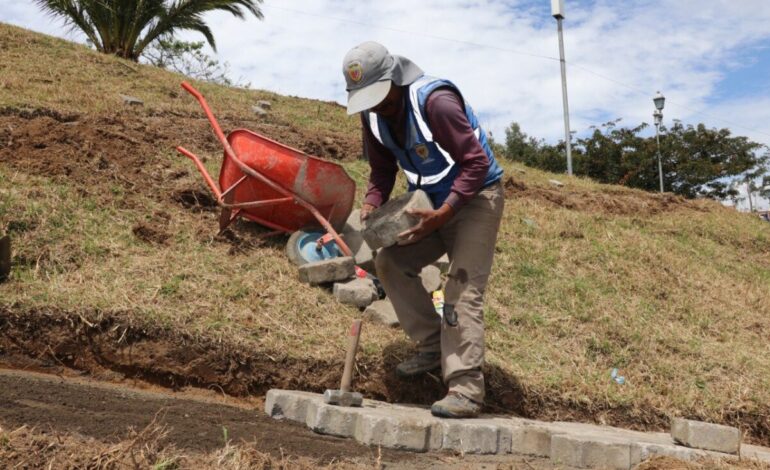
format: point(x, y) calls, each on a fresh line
point(430, 221)
point(366, 209)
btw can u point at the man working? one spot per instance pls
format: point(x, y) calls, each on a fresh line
point(423, 125)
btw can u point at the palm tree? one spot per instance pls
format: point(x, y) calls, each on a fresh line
point(126, 27)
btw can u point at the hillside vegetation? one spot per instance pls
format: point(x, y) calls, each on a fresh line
point(118, 269)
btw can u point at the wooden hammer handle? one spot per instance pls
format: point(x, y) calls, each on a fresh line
point(347, 374)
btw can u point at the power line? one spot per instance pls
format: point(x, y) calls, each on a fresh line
point(431, 36)
point(633, 88)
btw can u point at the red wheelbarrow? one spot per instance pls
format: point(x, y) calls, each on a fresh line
point(275, 185)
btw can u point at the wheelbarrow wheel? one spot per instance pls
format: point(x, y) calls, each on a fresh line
point(302, 247)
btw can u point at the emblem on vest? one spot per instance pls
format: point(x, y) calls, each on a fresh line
point(422, 151)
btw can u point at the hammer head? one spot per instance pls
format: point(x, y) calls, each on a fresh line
point(340, 398)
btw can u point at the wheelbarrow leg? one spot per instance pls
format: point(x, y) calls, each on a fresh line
point(226, 217)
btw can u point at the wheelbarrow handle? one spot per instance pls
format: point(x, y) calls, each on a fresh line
point(214, 124)
point(254, 174)
point(191, 90)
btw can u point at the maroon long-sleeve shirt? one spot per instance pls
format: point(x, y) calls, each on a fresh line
point(445, 113)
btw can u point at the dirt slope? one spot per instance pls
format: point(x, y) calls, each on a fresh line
point(119, 272)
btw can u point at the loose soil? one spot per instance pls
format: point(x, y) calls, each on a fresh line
point(109, 412)
point(81, 423)
point(133, 150)
point(117, 348)
point(609, 200)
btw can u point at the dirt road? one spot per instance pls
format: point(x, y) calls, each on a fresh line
point(196, 420)
point(107, 412)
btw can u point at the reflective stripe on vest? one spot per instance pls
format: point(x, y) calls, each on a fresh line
point(434, 171)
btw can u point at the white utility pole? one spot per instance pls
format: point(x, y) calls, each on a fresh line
point(557, 11)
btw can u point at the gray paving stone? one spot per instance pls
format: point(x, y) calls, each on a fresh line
point(398, 426)
point(476, 436)
point(351, 233)
point(397, 432)
point(641, 451)
point(332, 420)
point(359, 292)
point(531, 440)
point(707, 436)
point(284, 404)
point(382, 227)
point(755, 453)
point(590, 451)
point(326, 271)
point(381, 311)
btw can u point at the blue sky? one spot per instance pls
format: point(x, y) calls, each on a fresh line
point(711, 58)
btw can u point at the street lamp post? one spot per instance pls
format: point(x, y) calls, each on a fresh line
point(557, 11)
point(659, 101)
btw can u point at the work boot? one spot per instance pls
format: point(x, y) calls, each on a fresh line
point(455, 405)
point(419, 364)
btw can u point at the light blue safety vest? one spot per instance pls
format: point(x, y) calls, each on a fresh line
point(428, 166)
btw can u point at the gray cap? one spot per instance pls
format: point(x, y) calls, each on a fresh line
point(369, 70)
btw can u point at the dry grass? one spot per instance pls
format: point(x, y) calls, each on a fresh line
point(670, 463)
point(30, 448)
point(676, 299)
point(38, 71)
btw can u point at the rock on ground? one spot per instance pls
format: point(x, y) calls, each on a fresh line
point(131, 101)
point(359, 292)
point(382, 312)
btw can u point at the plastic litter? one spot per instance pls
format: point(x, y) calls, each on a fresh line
point(617, 378)
point(438, 302)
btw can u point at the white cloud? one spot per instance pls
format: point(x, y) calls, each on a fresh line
point(682, 47)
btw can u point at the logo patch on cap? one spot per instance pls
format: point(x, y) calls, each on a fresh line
point(355, 71)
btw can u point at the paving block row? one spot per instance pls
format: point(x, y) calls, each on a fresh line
point(414, 428)
point(397, 427)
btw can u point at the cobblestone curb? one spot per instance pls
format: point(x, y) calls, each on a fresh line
point(414, 428)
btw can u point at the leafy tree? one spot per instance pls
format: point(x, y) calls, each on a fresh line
point(617, 155)
point(188, 58)
point(764, 191)
point(533, 152)
point(127, 27)
point(697, 161)
point(497, 148)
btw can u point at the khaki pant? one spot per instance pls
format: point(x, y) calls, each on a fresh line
point(469, 240)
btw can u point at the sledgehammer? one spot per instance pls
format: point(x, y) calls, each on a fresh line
point(343, 396)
